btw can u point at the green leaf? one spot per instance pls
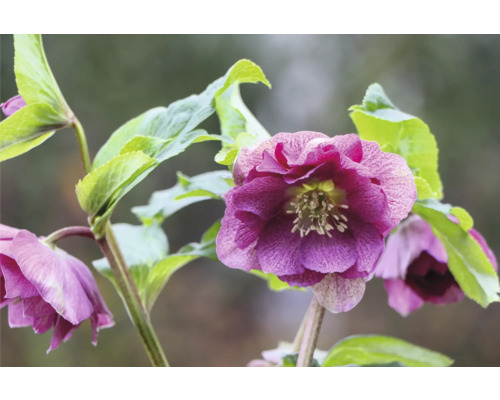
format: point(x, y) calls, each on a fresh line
point(370, 349)
point(187, 191)
point(238, 125)
point(99, 191)
point(467, 262)
point(27, 128)
point(145, 249)
point(142, 247)
point(377, 119)
point(274, 282)
point(179, 119)
point(46, 109)
point(35, 81)
point(290, 360)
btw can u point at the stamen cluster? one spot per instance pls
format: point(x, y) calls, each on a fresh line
point(317, 210)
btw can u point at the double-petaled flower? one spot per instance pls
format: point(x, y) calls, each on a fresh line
point(314, 211)
point(45, 287)
point(414, 267)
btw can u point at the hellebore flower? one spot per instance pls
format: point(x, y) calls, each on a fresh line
point(414, 267)
point(47, 288)
point(315, 210)
point(12, 105)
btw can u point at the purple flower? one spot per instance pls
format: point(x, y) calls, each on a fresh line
point(414, 266)
point(12, 105)
point(46, 287)
point(314, 210)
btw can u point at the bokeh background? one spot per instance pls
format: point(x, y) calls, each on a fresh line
point(210, 315)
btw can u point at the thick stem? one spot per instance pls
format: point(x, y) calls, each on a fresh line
point(315, 316)
point(82, 144)
point(67, 232)
point(135, 308)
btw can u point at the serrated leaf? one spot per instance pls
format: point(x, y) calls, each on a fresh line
point(377, 119)
point(187, 191)
point(467, 262)
point(179, 119)
point(239, 126)
point(27, 128)
point(273, 282)
point(99, 191)
point(369, 349)
point(46, 109)
point(145, 249)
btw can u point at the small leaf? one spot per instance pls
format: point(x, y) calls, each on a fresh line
point(164, 203)
point(27, 128)
point(464, 219)
point(379, 120)
point(99, 191)
point(238, 125)
point(370, 350)
point(467, 262)
point(273, 282)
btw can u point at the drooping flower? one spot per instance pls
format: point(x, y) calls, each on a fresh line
point(12, 105)
point(45, 288)
point(414, 267)
point(314, 210)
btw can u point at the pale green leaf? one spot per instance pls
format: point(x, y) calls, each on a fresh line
point(464, 218)
point(370, 350)
point(99, 191)
point(187, 191)
point(377, 119)
point(35, 81)
point(27, 128)
point(467, 262)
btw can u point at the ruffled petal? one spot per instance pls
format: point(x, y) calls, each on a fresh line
point(337, 294)
point(401, 297)
point(278, 248)
point(327, 255)
point(369, 246)
point(52, 275)
point(307, 278)
point(227, 247)
point(396, 180)
point(262, 196)
point(16, 284)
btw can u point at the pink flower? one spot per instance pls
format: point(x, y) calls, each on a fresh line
point(314, 210)
point(414, 266)
point(45, 288)
point(12, 105)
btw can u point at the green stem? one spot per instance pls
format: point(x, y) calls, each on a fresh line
point(300, 333)
point(67, 232)
point(314, 318)
point(82, 144)
point(130, 296)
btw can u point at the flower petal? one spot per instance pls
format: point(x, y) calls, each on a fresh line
point(7, 232)
point(227, 247)
point(262, 196)
point(63, 330)
point(396, 180)
point(484, 245)
point(401, 297)
point(327, 255)
point(17, 319)
point(337, 294)
point(278, 248)
point(307, 278)
point(56, 281)
point(12, 105)
point(16, 284)
point(369, 245)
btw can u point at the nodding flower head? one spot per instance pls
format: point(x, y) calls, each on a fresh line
point(307, 206)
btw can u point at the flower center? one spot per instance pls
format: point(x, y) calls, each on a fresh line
point(318, 207)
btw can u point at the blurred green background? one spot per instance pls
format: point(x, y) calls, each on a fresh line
point(210, 315)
